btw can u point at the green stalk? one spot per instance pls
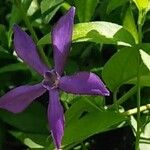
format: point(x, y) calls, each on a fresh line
point(115, 100)
point(141, 19)
point(30, 28)
point(134, 110)
point(138, 107)
point(125, 97)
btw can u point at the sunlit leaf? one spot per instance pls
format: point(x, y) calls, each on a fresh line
point(145, 58)
point(142, 4)
point(32, 8)
point(98, 32)
point(144, 71)
point(129, 23)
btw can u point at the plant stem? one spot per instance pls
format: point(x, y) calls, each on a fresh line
point(134, 110)
point(30, 28)
point(138, 109)
point(138, 132)
point(125, 97)
point(115, 100)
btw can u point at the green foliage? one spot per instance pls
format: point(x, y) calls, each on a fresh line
point(119, 66)
point(113, 4)
point(32, 140)
point(96, 120)
point(85, 9)
point(125, 63)
point(48, 4)
point(111, 39)
point(129, 24)
point(142, 5)
point(9, 72)
point(98, 32)
point(33, 120)
point(49, 8)
point(145, 58)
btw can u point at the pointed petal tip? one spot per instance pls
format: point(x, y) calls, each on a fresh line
point(83, 83)
point(106, 93)
point(61, 39)
point(72, 10)
point(103, 90)
point(56, 118)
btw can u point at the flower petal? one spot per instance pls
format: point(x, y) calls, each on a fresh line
point(26, 50)
point(61, 39)
point(19, 98)
point(56, 117)
point(83, 83)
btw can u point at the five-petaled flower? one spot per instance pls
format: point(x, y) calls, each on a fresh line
point(19, 98)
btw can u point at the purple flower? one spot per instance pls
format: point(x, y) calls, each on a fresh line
point(19, 98)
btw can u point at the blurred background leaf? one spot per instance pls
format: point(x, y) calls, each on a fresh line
point(85, 9)
point(32, 120)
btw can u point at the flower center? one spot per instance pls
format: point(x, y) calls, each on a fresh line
point(51, 79)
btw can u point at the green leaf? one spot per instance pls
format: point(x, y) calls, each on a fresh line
point(3, 36)
point(32, 140)
point(71, 67)
point(15, 16)
point(129, 24)
point(49, 9)
point(120, 68)
point(11, 74)
point(50, 15)
point(145, 58)
point(102, 32)
point(98, 32)
point(48, 4)
point(13, 67)
point(84, 119)
point(85, 9)
point(6, 58)
point(144, 4)
point(144, 71)
point(34, 6)
point(45, 40)
point(32, 120)
point(113, 4)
